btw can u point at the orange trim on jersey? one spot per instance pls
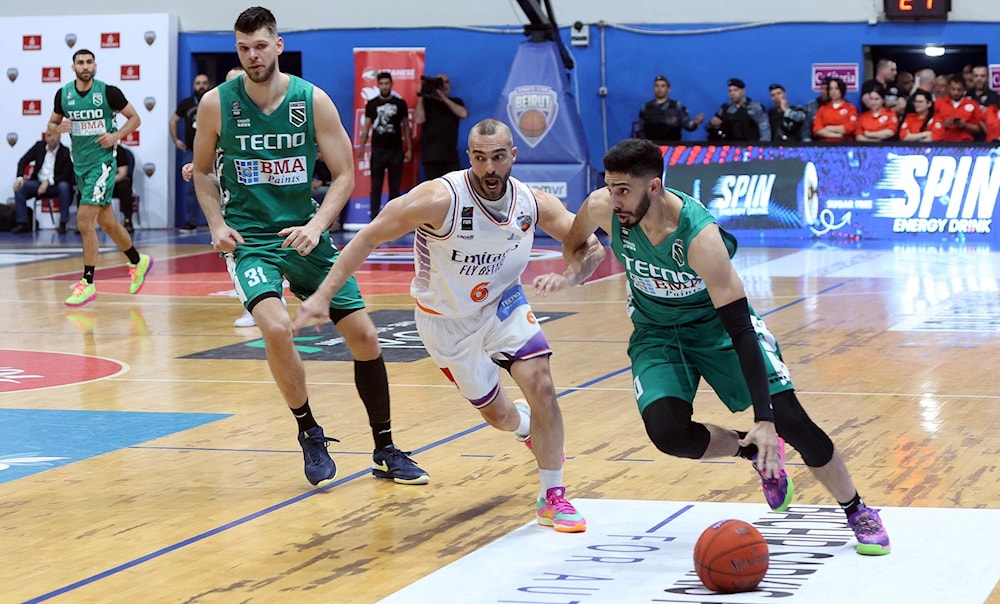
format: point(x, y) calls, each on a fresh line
point(427, 310)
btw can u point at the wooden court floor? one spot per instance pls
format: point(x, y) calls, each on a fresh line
point(893, 351)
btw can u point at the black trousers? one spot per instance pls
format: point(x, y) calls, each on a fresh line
point(383, 160)
point(437, 169)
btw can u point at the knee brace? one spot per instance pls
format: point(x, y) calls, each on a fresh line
point(669, 426)
point(798, 430)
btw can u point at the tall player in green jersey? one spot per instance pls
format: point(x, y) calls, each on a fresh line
point(86, 108)
point(691, 319)
point(258, 133)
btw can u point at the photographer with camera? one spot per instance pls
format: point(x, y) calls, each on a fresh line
point(439, 114)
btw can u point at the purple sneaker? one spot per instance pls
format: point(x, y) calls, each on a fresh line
point(777, 491)
point(871, 535)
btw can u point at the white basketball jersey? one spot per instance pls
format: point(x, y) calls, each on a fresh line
point(476, 255)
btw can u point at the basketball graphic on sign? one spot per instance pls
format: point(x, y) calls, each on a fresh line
point(12, 138)
point(12, 74)
point(149, 102)
point(150, 37)
point(149, 168)
point(532, 123)
point(71, 40)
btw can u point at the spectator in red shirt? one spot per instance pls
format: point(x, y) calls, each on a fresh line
point(991, 122)
point(921, 125)
point(878, 123)
point(959, 113)
point(838, 119)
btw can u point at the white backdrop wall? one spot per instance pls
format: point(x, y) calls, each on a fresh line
point(294, 15)
point(139, 57)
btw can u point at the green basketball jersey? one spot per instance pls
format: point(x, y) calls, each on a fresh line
point(265, 162)
point(662, 288)
point(92, 116)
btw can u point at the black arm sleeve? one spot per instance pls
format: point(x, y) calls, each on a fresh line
point(57, 103)
point(735, 317)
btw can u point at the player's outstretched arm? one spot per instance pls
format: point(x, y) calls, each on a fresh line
point(582, 251)
point(426, 204)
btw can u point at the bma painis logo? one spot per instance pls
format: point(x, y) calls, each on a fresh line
point(532, 111)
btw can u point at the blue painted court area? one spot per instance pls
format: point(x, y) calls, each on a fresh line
point(34, 440)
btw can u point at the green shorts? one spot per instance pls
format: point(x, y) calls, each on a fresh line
point(97, 183)
point(669, 361)
point(257, 268)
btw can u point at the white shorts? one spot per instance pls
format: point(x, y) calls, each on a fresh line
point(468, 348)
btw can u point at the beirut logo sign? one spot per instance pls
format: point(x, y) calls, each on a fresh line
point(532, 111)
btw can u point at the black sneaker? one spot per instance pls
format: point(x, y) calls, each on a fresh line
point(319, 465)
point(19, 228)
point(62, 228)
point(389, 463)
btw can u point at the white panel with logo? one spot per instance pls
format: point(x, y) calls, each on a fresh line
point(136, 53)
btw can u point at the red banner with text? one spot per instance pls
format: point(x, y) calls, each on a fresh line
point(406, 66)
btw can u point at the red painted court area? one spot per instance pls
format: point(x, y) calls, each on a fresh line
point(204, 274)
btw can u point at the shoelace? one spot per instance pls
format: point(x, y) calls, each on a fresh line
point(868, 525)
point(395, 454)
point(131, 271)
point(561, 505)
point(79, 288)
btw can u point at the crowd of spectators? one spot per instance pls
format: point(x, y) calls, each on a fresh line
point(912, 107)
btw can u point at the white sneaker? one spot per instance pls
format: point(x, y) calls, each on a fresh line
point(246, 320)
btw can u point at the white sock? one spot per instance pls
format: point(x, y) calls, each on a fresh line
point(550, 478)
point(523, 430)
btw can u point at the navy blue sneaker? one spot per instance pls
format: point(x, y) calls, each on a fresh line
point(319, 465)
point(389, 463)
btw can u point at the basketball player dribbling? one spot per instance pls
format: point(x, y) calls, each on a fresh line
point(474, 231)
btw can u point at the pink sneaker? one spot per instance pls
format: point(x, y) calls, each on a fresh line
point(777, 491)
point(555, 511)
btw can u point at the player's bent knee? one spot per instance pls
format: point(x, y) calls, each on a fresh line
point(669, 427)
point(798, 429)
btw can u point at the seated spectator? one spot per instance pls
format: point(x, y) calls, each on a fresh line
point(991, 122)
point(921, 125)
point(878, 123)
point(813, 106)
point(661, 119)
point(837, 120)
point(959, 113)
point(52, 176)
point(742, 119)
point(786, 120)
point(123, 185)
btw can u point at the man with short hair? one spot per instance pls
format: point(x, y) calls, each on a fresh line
point(51, 176)
point(662, 119)
point(473, 234)
point(86, 108)
point(786, 120)
point(269, 228)
point(741, 120)
point(387, 118)
point(959, 113)
point(187, 110)
point(980, 90)
point(439, 114)
point(885, 76)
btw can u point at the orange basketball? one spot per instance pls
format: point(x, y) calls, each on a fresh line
point(731, 556)
point(532, 123)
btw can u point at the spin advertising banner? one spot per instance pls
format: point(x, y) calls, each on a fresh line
point(406, 66)
point(852, 192)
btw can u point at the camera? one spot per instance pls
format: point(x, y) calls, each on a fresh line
point(430, 86)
